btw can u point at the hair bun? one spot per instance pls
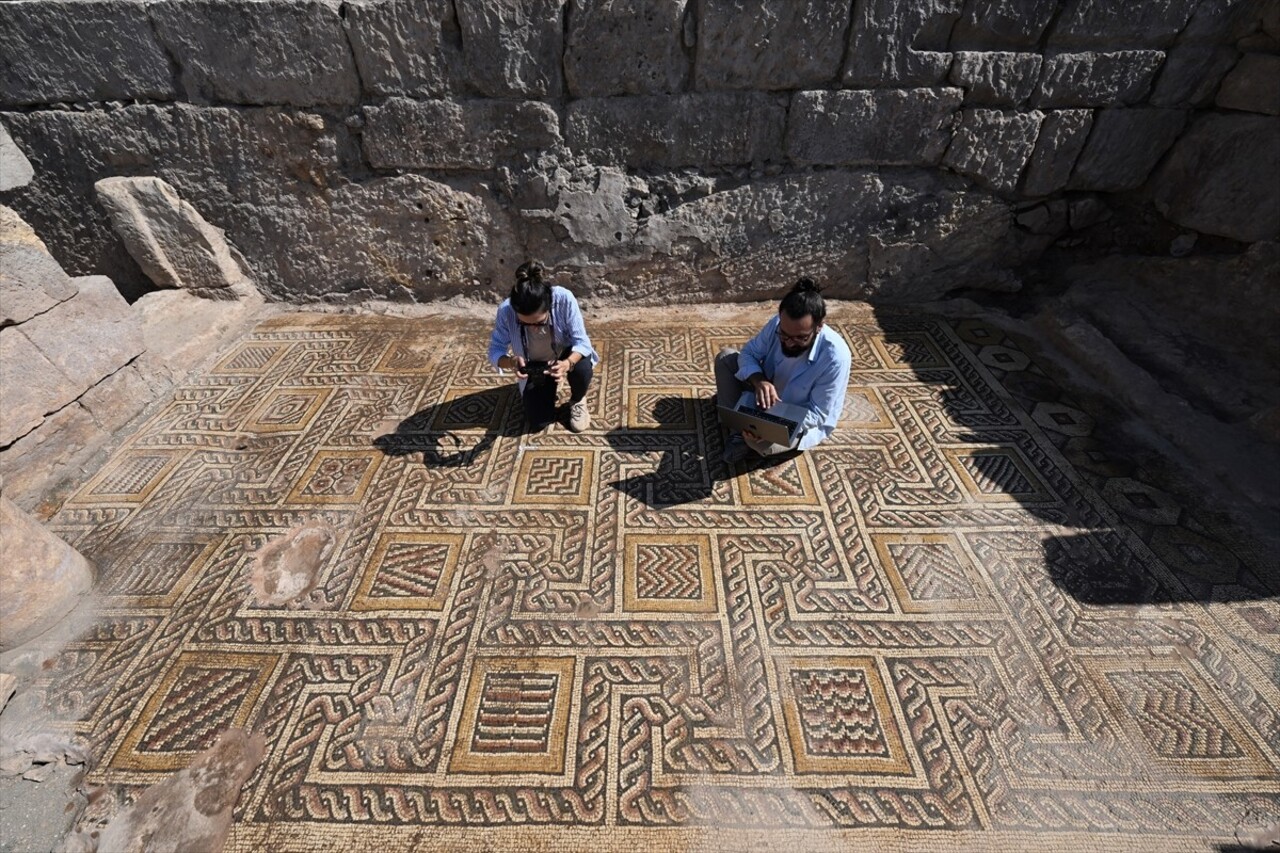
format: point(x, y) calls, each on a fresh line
point(530, 271)
point(806, 285)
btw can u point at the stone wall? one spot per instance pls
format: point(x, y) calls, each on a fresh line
point(654, 150)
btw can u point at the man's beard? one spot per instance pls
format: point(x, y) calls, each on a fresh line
point(792, 352)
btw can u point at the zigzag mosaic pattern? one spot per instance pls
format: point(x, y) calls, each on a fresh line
point(960, 621)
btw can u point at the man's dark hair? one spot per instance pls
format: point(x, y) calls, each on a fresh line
point(804, 299)
point(531, 294)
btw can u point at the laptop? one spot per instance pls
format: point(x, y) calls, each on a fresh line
point(778, 424)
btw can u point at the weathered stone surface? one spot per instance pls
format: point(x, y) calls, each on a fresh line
point(170, 240)
point(179, 330)
point(105, 50)
point(770, 44)
point(297, 55)
point(889, 127)
point(118, 398)
point(994, 77)
point(257, 172)
point(712, 129)
point(1124, 145)
point(896, 43)
point(454, 134)
point(1253, 85)
point(15, 168)
point(512, 48)
point(1221, 177)
point(89, 336)
point(1101, 23)
point(14, 229)
point(1062, 137)
point(1002, 24)
point(627, 47)
point(1097, 79)
point(993, 146)
point(1191, 74)
point(31, 282)
point(30, 386)
point(42, 577)
point(405, 47)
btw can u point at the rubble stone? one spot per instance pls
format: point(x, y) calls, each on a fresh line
point(170, 240)
point(888, 127)
point(43, 577)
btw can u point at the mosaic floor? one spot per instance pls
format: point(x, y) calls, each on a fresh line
point(959, 623)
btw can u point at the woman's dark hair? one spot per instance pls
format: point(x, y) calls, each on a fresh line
point(531, 295)
point(804, 299)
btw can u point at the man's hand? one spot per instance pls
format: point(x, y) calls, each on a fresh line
point(766, 394)
point(559, 369)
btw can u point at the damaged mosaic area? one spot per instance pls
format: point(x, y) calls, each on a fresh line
point(960, 621)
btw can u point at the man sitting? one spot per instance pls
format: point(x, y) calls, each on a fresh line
point(794, 359)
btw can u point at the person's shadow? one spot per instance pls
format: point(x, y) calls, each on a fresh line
point(446, 433)
point(684, 433)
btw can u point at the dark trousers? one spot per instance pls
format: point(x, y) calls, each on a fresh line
point(540, 399)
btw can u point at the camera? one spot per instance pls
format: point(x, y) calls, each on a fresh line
point(536, 371)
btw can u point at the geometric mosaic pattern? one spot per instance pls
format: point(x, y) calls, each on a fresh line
point(963, 621)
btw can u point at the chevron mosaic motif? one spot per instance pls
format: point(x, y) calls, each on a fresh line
point(961, 622)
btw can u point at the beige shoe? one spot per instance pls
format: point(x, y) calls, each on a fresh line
point(579, 418)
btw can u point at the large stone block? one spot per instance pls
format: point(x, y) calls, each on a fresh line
point(42, 577)
point(713, 129)
point(1253, 85)
point(993, 146)
point(90, 50)
point(58, 450)
point(1002, 24)
point(900, 42)
point(1097, 79)
point(405, 47)
point(770, 44)
point(996, 77)
point(1221, 177)
point(15, 168)
point(887, 127)
point(1124, 146)
point(89, 336)
point(1191, 74)
point(454, 134)
point(512, 48)
point(170, 240)
point(31, 386)
point(1105, 23)
point(1062, 137)
point(250, 52)
point(627, 47)
point(31, 282)
point(14, 229)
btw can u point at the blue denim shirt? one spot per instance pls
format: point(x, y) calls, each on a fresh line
point(567, 329)
point(819, 383)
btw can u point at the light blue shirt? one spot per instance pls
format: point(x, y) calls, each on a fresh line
point(567, 329)
point(818, 383)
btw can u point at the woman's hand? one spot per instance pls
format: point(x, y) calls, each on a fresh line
point(559, 368)
point(518, 363)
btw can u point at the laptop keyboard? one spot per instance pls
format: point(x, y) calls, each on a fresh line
point(763, 415)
